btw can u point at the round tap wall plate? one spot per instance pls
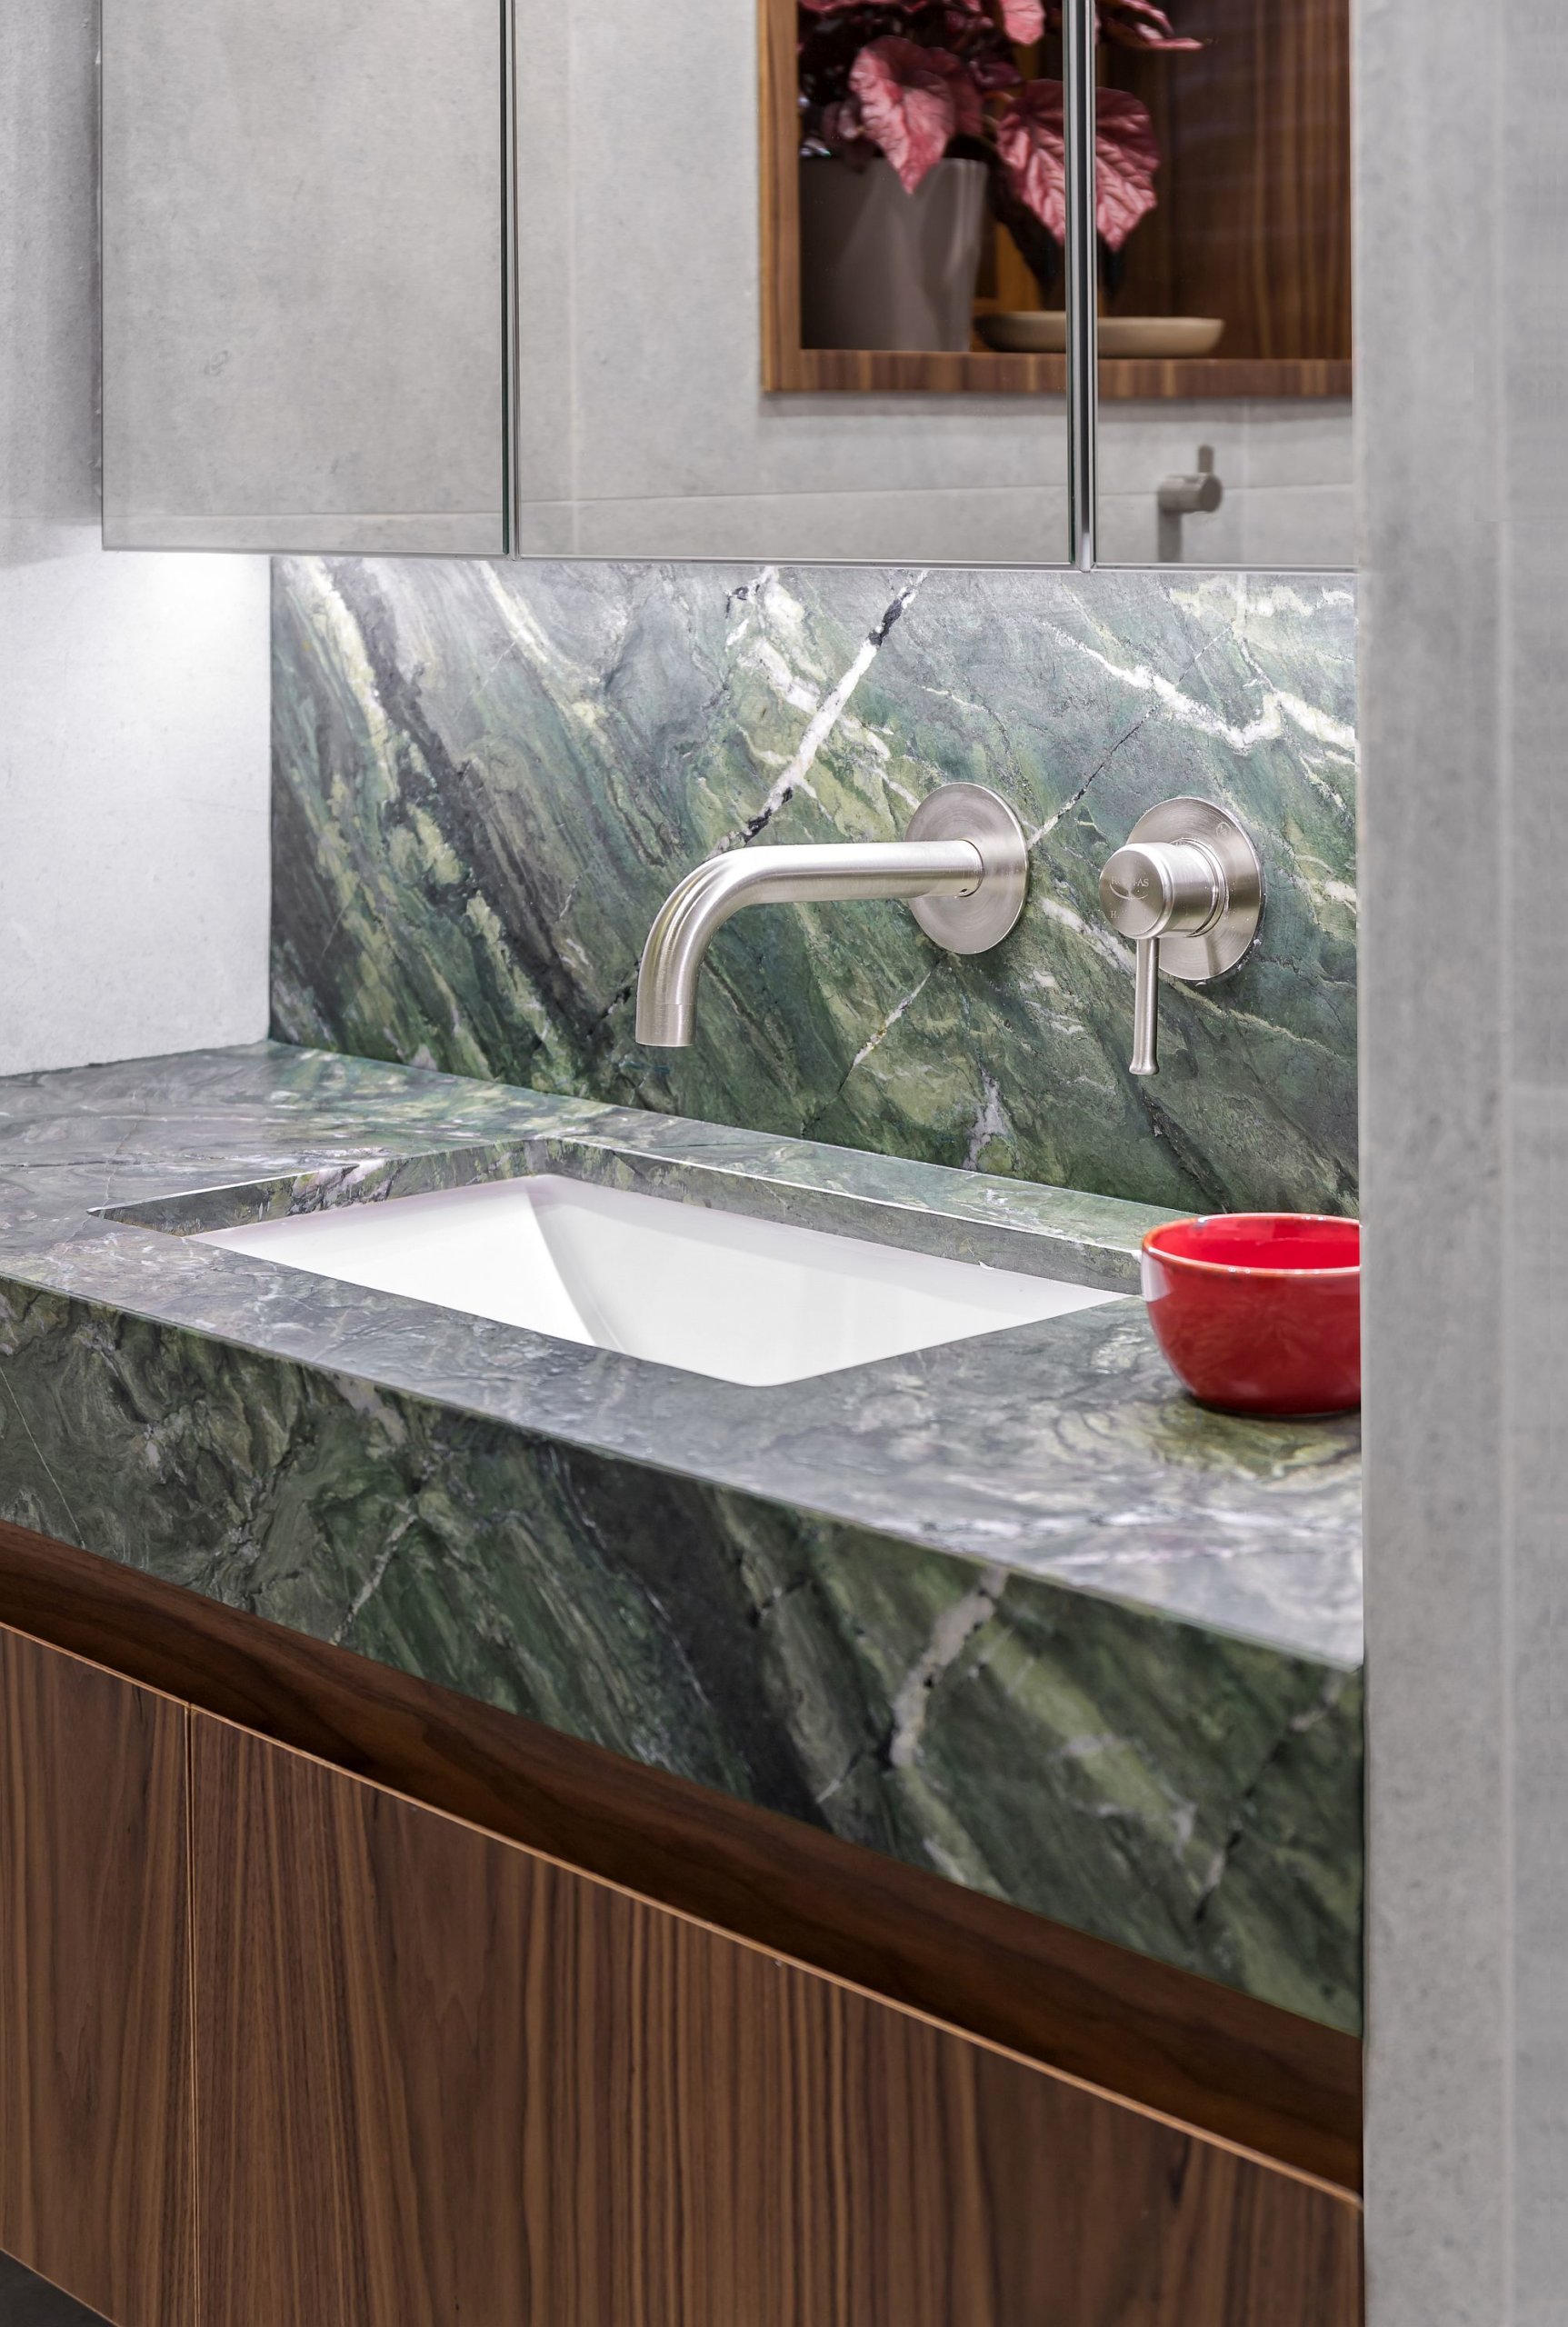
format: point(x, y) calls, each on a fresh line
point(972, 925)
point(1196, 960)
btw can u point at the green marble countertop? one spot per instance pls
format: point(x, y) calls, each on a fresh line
point(1015, 1609)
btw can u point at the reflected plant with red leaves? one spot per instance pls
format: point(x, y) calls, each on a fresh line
point(917, 81)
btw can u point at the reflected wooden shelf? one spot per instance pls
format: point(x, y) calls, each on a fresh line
point(1122, 379)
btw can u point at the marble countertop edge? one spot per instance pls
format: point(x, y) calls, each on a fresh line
point(1060, 1452)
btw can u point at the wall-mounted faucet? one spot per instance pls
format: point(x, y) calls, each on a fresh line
point(1187, 887)
point(963, 866)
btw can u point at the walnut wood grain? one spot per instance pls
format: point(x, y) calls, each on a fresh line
point(779, 214)
point(440, 2078)
point(96, 2182)
point(1254, 216)
point(1123, 378)
point(1224, 2062)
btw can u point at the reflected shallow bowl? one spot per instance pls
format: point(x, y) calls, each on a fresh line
point(1260, 1312)
point(1026, 331)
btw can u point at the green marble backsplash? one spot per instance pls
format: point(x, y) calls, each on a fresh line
point(488, 776)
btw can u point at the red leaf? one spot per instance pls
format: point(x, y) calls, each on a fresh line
point(1132, 24)
point(841, 130)
point(912, 101)
point(1031, 141)
point(992, 73)
point(1029, 137)
point(1126, 156)
point(965, 95)
point(1138, 24)
point(1023, 20)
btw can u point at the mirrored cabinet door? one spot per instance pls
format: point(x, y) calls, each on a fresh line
point(781, 281)
point(736, 343)
point(1225, 282)
point(304, 254)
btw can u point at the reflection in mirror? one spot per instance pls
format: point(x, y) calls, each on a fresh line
point(1224, 210)
point(690, 389)
point(885, 378)
point(827, 327)
point(302, 276)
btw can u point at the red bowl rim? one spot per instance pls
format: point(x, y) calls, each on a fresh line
point(1232, 1268)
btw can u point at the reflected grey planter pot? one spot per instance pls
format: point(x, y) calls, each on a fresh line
point(882, 268)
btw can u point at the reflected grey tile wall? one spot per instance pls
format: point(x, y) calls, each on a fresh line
point(1284, 466)
point(487, 778)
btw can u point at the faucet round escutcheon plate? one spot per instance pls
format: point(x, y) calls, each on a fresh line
point(1196, 959)
point(971, 811)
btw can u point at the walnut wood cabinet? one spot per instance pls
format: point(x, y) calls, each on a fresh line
point(441, 2078)
point(282, 2047)
point(95, 2126)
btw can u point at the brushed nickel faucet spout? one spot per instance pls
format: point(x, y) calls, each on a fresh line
point(963, 867)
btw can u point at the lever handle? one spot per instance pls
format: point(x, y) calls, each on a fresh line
point(1187, 889)
point(1149, 888)
point(1146, 1009)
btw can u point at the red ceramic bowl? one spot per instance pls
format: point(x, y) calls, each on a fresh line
point(1260, 1312)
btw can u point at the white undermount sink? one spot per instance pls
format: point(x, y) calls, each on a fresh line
point(715, 1293)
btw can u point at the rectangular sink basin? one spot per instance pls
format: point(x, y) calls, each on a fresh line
point(714, 1292)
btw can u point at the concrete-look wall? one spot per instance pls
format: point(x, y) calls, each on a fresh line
point(134, 713)
point(646, 435)
point(302, 266)
point(1462, 307)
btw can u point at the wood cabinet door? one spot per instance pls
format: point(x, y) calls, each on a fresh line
point(443, 2083)
point(95, 2165)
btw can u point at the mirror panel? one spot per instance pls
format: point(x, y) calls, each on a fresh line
point(886, 379)
point(302, 274)
point(736, 335)
point(666, 410)
point(1224, 374)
